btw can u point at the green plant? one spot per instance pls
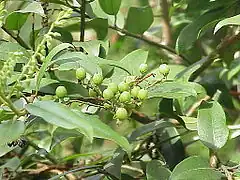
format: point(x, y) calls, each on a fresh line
point(94, 89)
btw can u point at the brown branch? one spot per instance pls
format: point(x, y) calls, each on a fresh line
point(151, 42)
point(166, 27)
point(82, 28)
point(16, 38)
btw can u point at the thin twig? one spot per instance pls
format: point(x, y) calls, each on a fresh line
point(76, 170)
point(82, 24)
point(151, 42)
point(16, 38)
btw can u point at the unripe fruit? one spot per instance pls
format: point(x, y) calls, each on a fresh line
point(97, 79)
point(80, 73)
point(123, 86)
point(113, 87)
point(135, 90)
point(164, 69)
point(142, 94)
point(107, 106)
point(143, 68)
point(125, 97)
point(108, 94)
point(121, 113)
point(61, 91)
point(92, 93)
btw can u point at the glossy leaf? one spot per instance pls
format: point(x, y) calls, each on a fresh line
point(155, 170)
point(235, 20)
point(196, 167)
point(34, 7)
point(60, 115)
point(110, 7)
point(131, 62)
point(10, 131)
point(143, 130)
point(139, 19)
point(101, 130)
point(212, 128)
point(15, 20)
point(172, 90)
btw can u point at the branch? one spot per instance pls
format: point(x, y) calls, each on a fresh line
point(166, 27)
point(151, 42)
point(16, 38)
point(76, 170)
point(212, 56)
point(82, 28)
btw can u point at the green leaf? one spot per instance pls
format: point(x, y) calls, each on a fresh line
point(143, 130)
point(155, 170)
point(100, 26)
point(194, 168)
point(34, 7)
point(47, 62)
point(139, 19)
point(235, 20)
point(72, 60)
point(10, 131)
point(190, 33)
point(172, 90)
point(15, 20)
point(131, 62)
point(212, 128)
point(110, 7)
point(60, 115)
point(114, 166)
point(101, 130)
point(234, 68)
point(185, 75)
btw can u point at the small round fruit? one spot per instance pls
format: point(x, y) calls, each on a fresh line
point(113, 87)
point(122, 86)
point(121, 114)
point(142, 94)
point(143, 68)
point(135, 90)
point(107, 106)
point(108, 94)
point(92, 93)
point(164, 69)
point(61, 91)
point(80, 73)
point(125, 97)
point(97, 79)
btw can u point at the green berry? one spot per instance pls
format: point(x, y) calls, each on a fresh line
point(107, 106)
point(142, 94)
point(108, 94)
point(135, 90)
point(80, 73)
point(125, 97)
point(164, 69)
point(143, 68)
point(61, 91)
point(113, 87)
point(121, 114)
point(92, 93)
point(123, 86)
point(97, 79)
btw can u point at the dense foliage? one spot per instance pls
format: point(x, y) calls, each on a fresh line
point(119, 89)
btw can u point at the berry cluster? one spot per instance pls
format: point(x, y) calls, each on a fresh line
point(120, 98)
